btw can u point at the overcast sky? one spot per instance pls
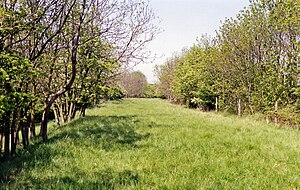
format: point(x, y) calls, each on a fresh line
point(183, 21)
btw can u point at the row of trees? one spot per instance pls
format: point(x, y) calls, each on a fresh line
point(60, 56)
point(251, 65)
point(135, 85)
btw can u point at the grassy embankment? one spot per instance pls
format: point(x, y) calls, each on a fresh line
point(151, 144)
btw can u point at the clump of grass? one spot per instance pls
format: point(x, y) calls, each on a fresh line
point(151, 144)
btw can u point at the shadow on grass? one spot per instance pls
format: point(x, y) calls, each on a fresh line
point(96, 132)
point(109, 132)
point(106, 179)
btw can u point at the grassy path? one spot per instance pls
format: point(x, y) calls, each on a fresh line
point(151, 144)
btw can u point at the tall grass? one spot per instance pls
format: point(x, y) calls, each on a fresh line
point(151, 144)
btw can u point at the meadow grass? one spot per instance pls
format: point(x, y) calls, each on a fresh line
point(152, 144)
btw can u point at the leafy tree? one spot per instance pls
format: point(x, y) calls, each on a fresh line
point(61, 56)
point(134, 84)
point(251, 65)
point(165, 74)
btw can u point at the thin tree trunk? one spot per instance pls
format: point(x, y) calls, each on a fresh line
point(28, 125)
point(45, 119)
point(216, 109)
point(6, 119)
point(60, 110)
point(31, 120)
point(67, 107)
point(83, 112)
point(276, 113)
point(24, 130)
point(17, 137)
point(1, 144)
point(27, 134)
point(72, 106)
point(71, 110)
point(73, 113)
point(23, 135)
point(13, 133)
point(32, 125)
point(84, 106)
point(239, 108)
point(56, 115)
point(6, 136)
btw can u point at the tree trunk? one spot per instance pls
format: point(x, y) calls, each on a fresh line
point(6, 119)
point(13, 133)
point(45, 119)
point(216, 109)
point(74, 113)
point(71, 111)
point(60, 110)
point(276, 113)
point(6, 136)
point(56, 115)
point(239, 108)
point(32, 125)
point(84, 106)
point(28, 125)
point(72, 107)
point(1, 144)
point(24, 129)
point(66, 107)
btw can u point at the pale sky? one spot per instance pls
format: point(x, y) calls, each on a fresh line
point(183, 21)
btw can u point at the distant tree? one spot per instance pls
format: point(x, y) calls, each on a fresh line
point(134, 84)
point(165, 74)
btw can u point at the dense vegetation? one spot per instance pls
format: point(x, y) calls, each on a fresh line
point(152, 144)
point(251, 65)
point(58, 57)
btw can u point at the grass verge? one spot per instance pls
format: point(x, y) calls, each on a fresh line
point(151, 144)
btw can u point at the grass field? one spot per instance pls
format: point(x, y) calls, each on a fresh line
point(151, 144)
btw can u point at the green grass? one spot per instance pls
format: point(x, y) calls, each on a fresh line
point(151, 144)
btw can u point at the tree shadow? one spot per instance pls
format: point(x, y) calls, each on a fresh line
point(105, 179)
point(105, 132)
point(97, 132)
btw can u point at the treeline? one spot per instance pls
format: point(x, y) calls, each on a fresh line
point(134, 84)
point(59, 56)
point(251, 65)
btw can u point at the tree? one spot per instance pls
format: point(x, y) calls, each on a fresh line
point(251, 65)
point(165, 74)
point(125, 27)
point(134, 84)
point(65, 53)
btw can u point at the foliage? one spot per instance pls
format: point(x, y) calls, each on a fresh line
point(134, 84)
point(59, 57)
point(165, 74)
point(152, 91)
point(252, 63)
